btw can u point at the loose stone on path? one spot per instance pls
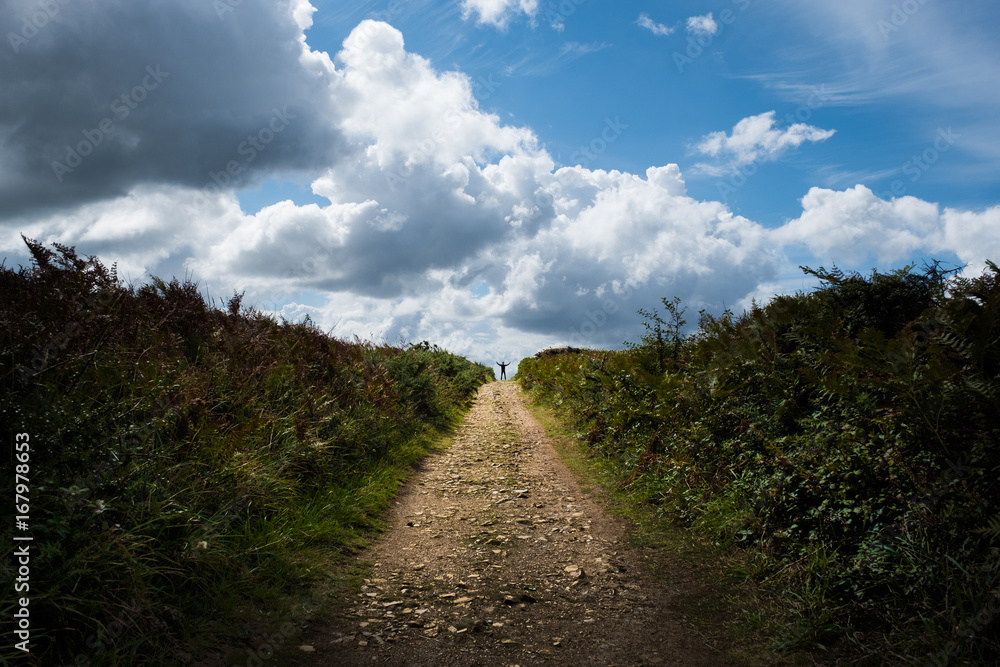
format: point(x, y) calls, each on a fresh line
point(494, 556)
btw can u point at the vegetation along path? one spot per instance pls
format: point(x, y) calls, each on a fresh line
point(495, 557)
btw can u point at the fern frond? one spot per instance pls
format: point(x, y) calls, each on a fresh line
point(985, 388)
point(991, 529)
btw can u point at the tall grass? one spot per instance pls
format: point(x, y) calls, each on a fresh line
point(189, 462)
point(848, 440)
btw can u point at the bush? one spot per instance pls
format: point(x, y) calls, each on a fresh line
point(850, 437)
point(186, 459)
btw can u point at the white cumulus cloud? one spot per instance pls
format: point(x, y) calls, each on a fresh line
point(755, 139)
point(973, 236)
point(440, 197)
point(854, 225)
point(702, 25)
point(498, 12)
point(439, 220)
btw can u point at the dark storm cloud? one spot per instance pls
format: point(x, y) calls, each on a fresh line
point(97, 96)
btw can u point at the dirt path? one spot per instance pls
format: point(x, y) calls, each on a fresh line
point(495, 557)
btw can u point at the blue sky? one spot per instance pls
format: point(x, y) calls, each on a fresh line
point(500, 176)
point(806, 62)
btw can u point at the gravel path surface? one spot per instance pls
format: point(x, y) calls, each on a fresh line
point(495, 557)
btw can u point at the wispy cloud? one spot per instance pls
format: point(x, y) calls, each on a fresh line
point(755, 139)
point(549, 63)
point(658, 29)
point(944, 57)
point(579, 49)
point(847, 90)
point(835, 176)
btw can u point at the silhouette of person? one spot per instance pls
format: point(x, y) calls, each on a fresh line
point(503, 369)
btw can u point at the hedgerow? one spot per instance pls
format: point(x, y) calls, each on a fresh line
point(847, 440)
point(190, 463)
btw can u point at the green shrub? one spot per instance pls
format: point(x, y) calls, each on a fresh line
point(186, 458)
point(850, 437)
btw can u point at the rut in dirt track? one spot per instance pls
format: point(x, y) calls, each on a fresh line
point(495, 557)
